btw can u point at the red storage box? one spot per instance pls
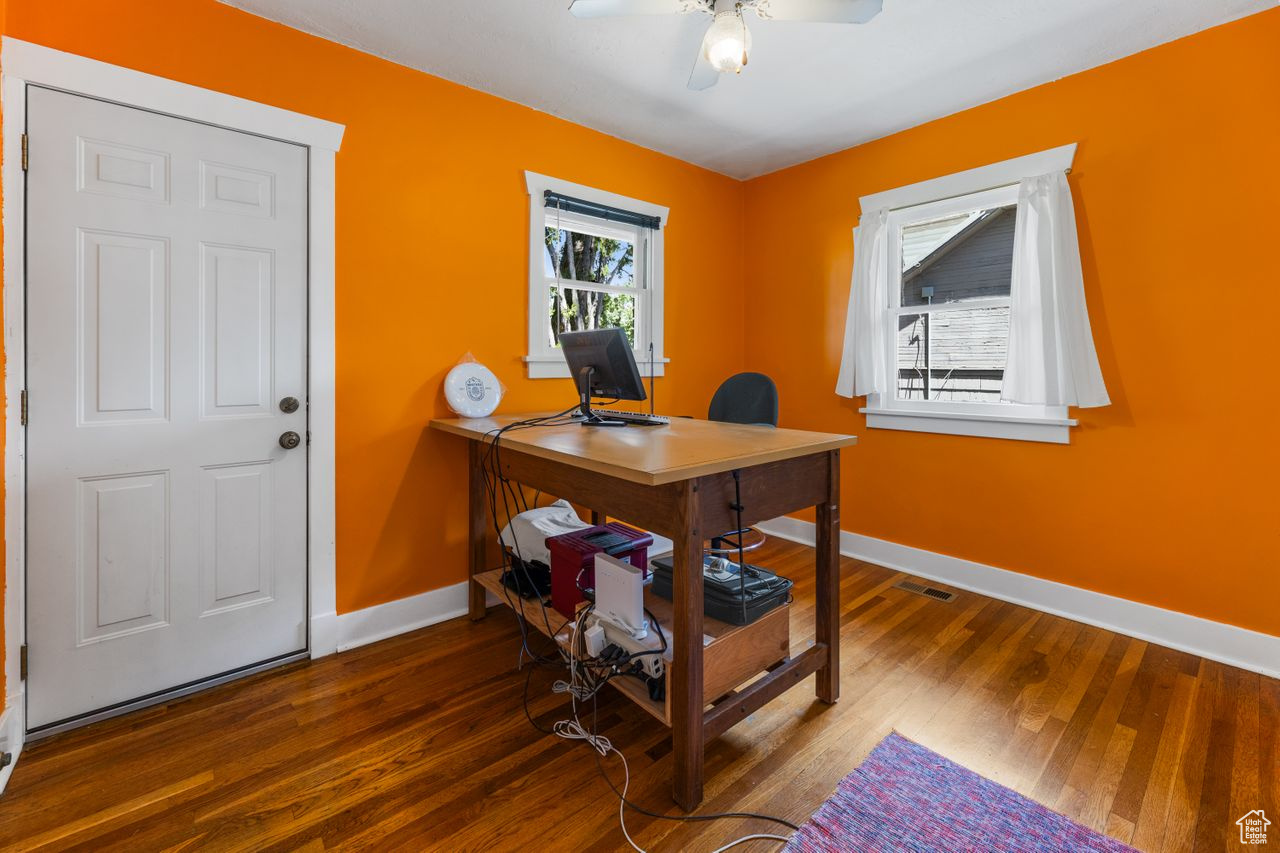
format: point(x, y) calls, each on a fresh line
point(573, 563)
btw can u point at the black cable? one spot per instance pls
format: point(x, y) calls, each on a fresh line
point(600, 767)
point(519, 611)
point(742, 558)
point(491, 492)
point(691, 817)
point(653, 392)
point(633, 806)
point(682, 818)
point(500, 484)
point(661, 637)
point(529, 676)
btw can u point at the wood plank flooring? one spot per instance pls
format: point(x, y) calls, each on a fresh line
point(420, 742)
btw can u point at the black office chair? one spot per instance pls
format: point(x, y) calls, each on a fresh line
point(747, 398)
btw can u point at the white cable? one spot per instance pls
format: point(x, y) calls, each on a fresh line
point(577, 686)
point(574, 730)
point(580, 691)
point(622, 817)
point(747, 838)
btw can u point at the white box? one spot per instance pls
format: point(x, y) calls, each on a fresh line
point(620, 595)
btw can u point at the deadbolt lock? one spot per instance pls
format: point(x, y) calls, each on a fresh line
point(289, 405)
point(289, 440)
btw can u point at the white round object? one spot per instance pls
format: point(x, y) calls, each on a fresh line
point(472, 390)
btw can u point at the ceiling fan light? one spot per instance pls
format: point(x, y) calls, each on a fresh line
point(728, 42)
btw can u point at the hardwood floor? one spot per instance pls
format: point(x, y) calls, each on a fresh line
point(420, 742)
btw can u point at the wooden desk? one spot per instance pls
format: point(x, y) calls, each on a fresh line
point(677, 481)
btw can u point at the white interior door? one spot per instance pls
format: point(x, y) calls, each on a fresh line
point(166, 322)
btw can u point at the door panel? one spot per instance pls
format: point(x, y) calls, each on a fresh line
point(122, 171)
point(240, 191)
point(123, 566)
point(236, 286)
point(236, 568)
point(122, 328)
point(166, 302)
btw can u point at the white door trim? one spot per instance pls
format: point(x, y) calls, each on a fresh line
point(23, 63)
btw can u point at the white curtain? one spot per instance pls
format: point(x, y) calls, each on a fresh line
point(1052, 361)
point(862, 367)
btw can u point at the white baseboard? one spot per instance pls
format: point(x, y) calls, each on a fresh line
point(331, 632)
point(12, 733)
point(1217, 641)
point(381, 621)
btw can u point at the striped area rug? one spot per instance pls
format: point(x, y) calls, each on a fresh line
point(904, 797)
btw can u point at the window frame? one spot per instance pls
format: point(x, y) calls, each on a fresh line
point(544, 361)
point(982, 188)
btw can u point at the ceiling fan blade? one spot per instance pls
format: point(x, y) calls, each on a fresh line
point(704, 74)
point(820, 11)
point(610, 8)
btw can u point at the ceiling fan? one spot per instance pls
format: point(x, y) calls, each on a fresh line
point(728, 41)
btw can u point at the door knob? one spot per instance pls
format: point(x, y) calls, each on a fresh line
point(289, 440)
point(289, 405)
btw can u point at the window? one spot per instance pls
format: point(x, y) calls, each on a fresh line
point(950, 298)
point(939, 259)
point(592, 271)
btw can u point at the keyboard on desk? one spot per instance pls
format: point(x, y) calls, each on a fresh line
point(640, 418)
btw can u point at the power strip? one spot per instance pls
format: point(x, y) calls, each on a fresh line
point(654, 665)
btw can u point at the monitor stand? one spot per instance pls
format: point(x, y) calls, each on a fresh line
point(590, 418)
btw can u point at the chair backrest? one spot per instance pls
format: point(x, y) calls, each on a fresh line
point(747, 398)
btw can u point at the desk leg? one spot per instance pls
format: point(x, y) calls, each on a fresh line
point(686, 691)
point(827, 610)
point(477, 527)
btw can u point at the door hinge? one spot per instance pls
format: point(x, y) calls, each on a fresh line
point(26, 152)
point(22, 662)
point(23, 404)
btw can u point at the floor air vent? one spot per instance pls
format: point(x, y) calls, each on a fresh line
point(928, 591)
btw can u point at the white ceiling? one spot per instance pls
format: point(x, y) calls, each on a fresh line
point(809, 90)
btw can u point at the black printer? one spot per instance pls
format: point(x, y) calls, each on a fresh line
point(730, 595)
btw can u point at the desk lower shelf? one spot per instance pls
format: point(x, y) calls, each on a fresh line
point(732, 655)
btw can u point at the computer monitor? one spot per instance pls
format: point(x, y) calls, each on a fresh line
point(601, 364)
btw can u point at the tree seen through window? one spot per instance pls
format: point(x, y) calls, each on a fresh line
point(577, 258)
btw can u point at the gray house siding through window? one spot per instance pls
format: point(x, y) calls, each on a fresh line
point(967, 349)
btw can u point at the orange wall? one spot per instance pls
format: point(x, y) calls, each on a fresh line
point(1169, 496)
point(4, 4)
point(425, 274)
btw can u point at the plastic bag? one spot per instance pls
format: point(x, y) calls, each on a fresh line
point(471, 389)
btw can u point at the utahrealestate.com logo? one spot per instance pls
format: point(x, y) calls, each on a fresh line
point(1253, 827)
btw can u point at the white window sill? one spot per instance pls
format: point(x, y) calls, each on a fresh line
point(1050, 430)
point(554, 366)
